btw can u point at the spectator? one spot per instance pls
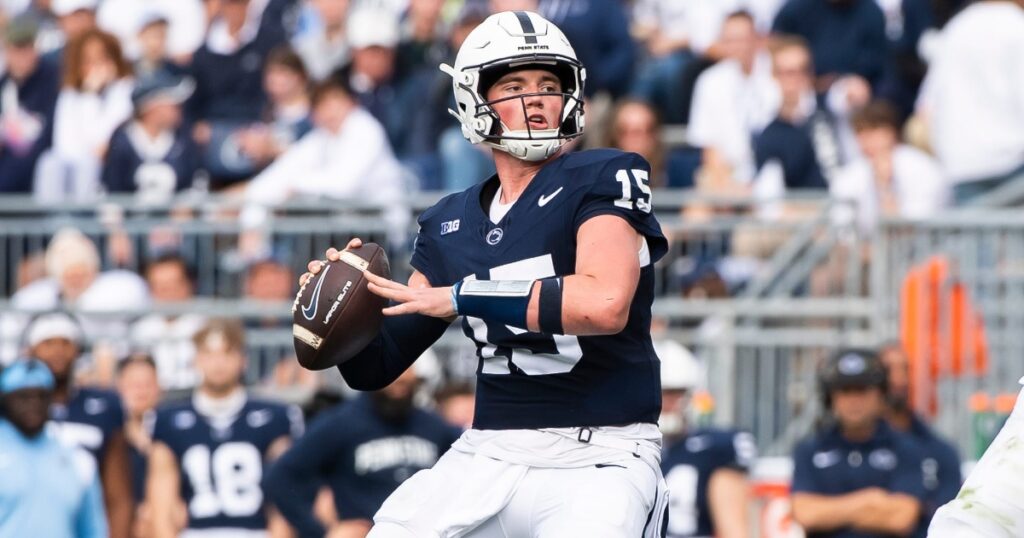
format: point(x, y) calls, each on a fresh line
point(150, 155)
point(152, 56)
point(168, 338)
point(706, 469)
point(941, 465)
point(346, 156)
point(802, 147)
point(288, 113)
point(91, 420)
point(391, 96)
point(973, 101)
point(906, 23)
point(424, 37)
point(324, 46)
point(269, 280)
point(185, 23)
point(28, 95)
point(45, 491)
point(362, 450)
point(857, 476)
point(462, 163)
point(846, 37)
point(599, 33)
point(229, 95)
point(95, 100)
point(137, 385)
point(456, 403)
point(74, 280)
point(220, 427)
point(893, 179)
point(635, 127)
point(732, 103)
point(74, 19)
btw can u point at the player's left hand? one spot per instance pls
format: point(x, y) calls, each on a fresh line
point(435, 302)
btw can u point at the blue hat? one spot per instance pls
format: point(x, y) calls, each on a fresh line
point(161, 85)
point(25, 374)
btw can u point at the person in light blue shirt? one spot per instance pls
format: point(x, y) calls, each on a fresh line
point(48, 490)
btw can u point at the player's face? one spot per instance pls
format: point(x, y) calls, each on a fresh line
point(541, 111)
point(138, 388)
point(27, 409)
point(58, 354)
point(857, 407)
point(220, 367)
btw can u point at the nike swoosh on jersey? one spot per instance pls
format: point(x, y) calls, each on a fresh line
point(315, 298)
point(543, 201)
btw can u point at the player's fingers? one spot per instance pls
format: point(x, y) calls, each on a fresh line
point(355, 242)
point(401, 309)
point(314, 266)
point(303, 278)
point(332, 254)
point(389, 293)
point(383, 282)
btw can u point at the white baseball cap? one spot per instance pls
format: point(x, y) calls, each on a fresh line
point(372, 27)
point(53, 325)
point(61, 8)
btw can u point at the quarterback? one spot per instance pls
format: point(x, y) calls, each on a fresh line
point(550, 265)
point(991, 501)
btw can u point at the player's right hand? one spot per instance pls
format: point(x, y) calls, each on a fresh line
point(332, 254)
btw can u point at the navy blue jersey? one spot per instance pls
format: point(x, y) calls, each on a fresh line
point(362, 458)
point(89, 419)
point(829, 464)
point(941, 469)
point(688, 466)
point(221, 467)
point(531, 380)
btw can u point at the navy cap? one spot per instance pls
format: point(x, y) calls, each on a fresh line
point(161, 85)
point(854, 368)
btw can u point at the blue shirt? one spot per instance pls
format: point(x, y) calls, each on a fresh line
point(941, 468)
point(829, 464)
point(530, 380)
point(221, 466)
point(88, 420)
point(362, 458)
point(45, 491)
point(688, 465)
point(844, 39)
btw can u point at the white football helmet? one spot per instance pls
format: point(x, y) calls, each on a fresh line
point(506, 42)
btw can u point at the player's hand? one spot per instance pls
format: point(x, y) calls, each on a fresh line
point(435, 302)
point(332, 254)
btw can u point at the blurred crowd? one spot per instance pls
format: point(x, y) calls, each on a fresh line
point(906, 106)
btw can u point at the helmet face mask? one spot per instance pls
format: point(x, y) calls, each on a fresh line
point(504, 43)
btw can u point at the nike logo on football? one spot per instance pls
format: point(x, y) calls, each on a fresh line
point(309, 311)
point(543, 201)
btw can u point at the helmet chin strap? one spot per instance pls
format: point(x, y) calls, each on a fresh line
point(518, 144)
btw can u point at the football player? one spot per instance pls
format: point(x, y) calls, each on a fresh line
point(209, 452)
point(88, 419)
point(705, 469)
point(362, 450)
point(990, 503)
point(550, 263)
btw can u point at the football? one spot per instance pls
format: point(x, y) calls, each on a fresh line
point(334, 314)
